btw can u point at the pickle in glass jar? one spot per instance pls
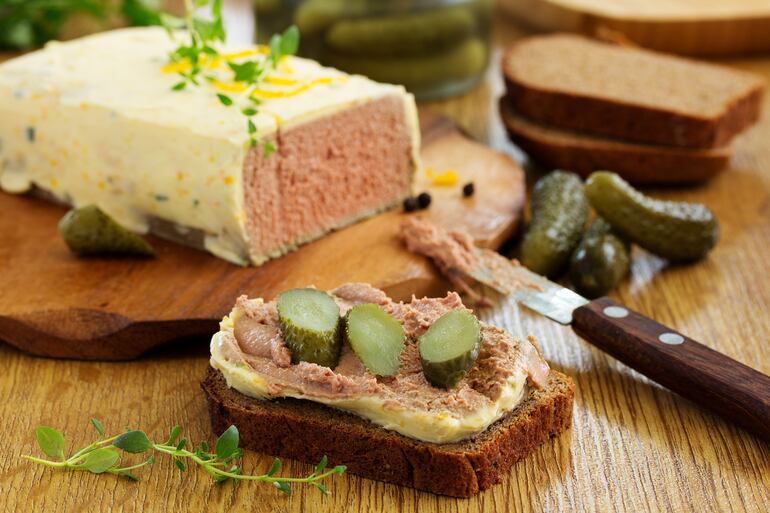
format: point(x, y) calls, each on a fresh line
point(463, 62)
point(422, 33)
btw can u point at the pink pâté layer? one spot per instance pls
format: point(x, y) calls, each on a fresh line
point(326, 174)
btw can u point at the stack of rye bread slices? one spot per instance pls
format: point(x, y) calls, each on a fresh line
point(583, 105)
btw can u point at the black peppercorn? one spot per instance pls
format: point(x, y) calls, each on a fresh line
point(411, 204)
point(468, 189)
point(423, 200)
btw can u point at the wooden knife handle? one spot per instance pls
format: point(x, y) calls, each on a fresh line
point(706, 377)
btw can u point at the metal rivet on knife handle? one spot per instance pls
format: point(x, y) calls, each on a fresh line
point(616, 312)
point(671, 339)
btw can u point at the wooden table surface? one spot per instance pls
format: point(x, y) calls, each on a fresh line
point(634, 446)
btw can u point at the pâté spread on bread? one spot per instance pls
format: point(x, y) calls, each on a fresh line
point(96, 121)
point(251, 353)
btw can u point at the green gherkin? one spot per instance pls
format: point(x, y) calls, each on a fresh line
point(408, 35)
point(89, 231)
point(675, 230)
point(600, 261)
point(310, 325)
point(450, 347)
point(559, 210)
point(465, 60)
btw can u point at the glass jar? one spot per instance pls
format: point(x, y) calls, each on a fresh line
point(435, 48)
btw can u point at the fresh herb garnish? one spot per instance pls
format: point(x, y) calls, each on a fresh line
point(222, 464)
point(25, 24)
point(199, 48)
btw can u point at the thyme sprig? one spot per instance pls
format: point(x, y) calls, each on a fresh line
point(199, 46)
point(223, 464)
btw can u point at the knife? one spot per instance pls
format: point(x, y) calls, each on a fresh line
point(705, 376)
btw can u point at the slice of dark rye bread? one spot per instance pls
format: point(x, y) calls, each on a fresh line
point(573, 82)
point(638, 163)
point(306, 431)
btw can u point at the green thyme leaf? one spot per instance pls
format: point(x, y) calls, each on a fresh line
point(275, 467)
point(268, 148)
point(283, 486)
point(290, 41)
point(322, 488)
point(101, 459)
point(251, 127)
point(321, 465)
point(175, 432)
point(339, 470)
point(179, 86)
point(50, 441)
point(249, 111)
point(202, 450)
point(180, 465)
point(227, 443)
point(97, 426)
point(245, 71)
point(275, 48)
point(133, 441)
point(225, 100)
point(182, 444)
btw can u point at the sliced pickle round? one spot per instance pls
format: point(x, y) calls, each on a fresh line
point(376, 337)
point(449, 347)
point(310, 325)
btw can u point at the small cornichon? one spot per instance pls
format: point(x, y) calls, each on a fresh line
point(600, 262)
point(89, 231)
point(559, 210)
point(678, 231)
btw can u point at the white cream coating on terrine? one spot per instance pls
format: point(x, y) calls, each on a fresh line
point(95, 121)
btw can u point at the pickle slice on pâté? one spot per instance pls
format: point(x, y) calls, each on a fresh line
point(449, 347)
point(376, 337)
point(310, 325)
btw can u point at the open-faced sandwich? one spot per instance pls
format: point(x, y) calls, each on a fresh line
point(420, 394)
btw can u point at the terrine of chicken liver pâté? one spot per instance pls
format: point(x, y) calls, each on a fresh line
point(95, 121)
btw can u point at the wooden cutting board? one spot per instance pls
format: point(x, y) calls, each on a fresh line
point(690, 27)
point(54, 304)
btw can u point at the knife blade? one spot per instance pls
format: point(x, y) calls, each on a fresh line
point(689, 368)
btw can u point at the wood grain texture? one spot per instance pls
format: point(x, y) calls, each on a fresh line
point(114, 309)
point(689, 27)
point(634, 446)
point(710, 379)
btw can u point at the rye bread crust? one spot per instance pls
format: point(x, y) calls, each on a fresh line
point(306, 431)
point(556, 105)
point(638, 163)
